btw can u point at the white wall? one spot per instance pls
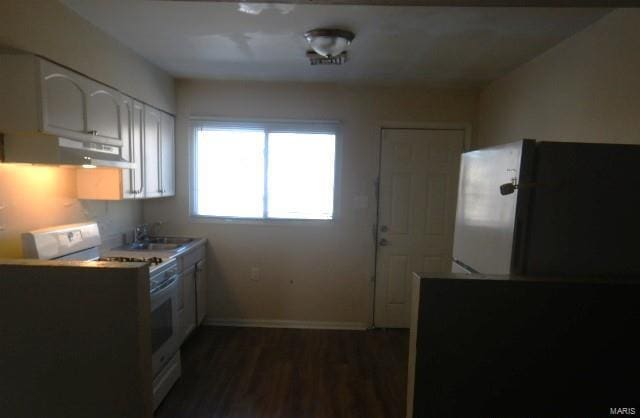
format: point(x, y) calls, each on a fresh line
point(587, 88)
point(308, 273)
point(35, 196)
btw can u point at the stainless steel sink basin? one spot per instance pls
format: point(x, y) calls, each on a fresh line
point(150, 246)
point(170, 240)
point(158, 244)
point(162, 247)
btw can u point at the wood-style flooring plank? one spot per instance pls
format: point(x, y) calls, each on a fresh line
point(290, 373)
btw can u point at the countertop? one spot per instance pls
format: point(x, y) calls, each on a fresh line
point(121, 250)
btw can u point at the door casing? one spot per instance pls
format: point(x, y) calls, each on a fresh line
point(464, 126)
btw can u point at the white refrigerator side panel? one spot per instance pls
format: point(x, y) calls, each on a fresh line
point(485, 219)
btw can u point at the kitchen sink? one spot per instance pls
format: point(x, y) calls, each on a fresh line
point(150, 246)
point(158, 244)
point(170, 240)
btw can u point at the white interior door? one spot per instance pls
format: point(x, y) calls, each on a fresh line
point(418, 182)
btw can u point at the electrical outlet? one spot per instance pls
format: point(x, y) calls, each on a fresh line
point(255, 273)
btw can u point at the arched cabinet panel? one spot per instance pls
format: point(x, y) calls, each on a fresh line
point(104, 113)
point(76, 107)
point(63, 105)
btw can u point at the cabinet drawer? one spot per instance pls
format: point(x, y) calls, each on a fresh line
point(189, 259)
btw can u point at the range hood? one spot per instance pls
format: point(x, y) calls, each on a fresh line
point(50, 149)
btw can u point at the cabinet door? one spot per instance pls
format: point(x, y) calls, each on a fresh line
point(152, 142)
point(189, 301)
point(128, 151)
point(167, 156)
point(201, 291)
point(137, 132)
point(64, 101)
point(133, 132)
point(104, 108)
point(180, 303)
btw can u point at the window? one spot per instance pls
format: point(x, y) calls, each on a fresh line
point(264, 171)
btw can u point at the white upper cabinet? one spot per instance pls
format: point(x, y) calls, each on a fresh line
point(159, 154)
point(167, 156)
point(64, 102)
point(104, 114)
point(77, 107)
point(137, 131)
point(133, 132)
point(40, 96)
point(152, 143)
point(149, 145)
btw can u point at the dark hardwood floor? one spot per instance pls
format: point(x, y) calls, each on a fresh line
point(290, 373)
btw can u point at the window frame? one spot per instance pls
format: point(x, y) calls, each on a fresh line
point(268, 125)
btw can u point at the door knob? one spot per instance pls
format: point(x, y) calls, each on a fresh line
point(384, 242)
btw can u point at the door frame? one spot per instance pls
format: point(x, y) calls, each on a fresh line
point(382, 125)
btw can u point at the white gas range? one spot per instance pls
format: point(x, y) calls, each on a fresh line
point(81, 242)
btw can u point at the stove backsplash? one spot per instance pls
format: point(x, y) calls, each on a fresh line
point(33, 197)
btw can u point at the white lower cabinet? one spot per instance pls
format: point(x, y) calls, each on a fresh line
point(201, 291)
point(192, 303)
point(188, 317)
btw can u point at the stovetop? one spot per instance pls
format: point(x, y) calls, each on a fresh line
point(156, 264)
point(151, 260)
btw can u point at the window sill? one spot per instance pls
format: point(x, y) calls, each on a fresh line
point(261, 221)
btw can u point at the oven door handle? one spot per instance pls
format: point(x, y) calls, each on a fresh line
point(164, 285)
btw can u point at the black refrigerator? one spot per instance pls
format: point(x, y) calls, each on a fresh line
point(549, 208)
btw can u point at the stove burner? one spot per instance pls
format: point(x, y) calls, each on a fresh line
point(150, 260)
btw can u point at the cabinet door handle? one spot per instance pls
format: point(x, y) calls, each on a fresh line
point(132, 152)
point(93, 132)
point(143, 140)
point(159, 157)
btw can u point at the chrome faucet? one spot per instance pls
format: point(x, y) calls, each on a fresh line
point(144, 231)
point(141, 233)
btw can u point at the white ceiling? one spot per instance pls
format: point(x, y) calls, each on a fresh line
point(433, 45)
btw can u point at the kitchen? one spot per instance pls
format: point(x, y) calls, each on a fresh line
point(310, 275)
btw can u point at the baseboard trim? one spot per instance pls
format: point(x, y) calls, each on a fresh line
point(276, 323)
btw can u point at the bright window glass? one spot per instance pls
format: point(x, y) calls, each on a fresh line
point(230, 173)
point(263, 173)
point(300, 175)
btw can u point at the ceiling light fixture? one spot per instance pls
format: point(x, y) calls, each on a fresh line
point(329, 43)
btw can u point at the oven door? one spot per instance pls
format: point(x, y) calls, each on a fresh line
point(164, 323)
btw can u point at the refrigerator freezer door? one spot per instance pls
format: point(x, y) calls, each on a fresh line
point(486, 219)
point(585, 217)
